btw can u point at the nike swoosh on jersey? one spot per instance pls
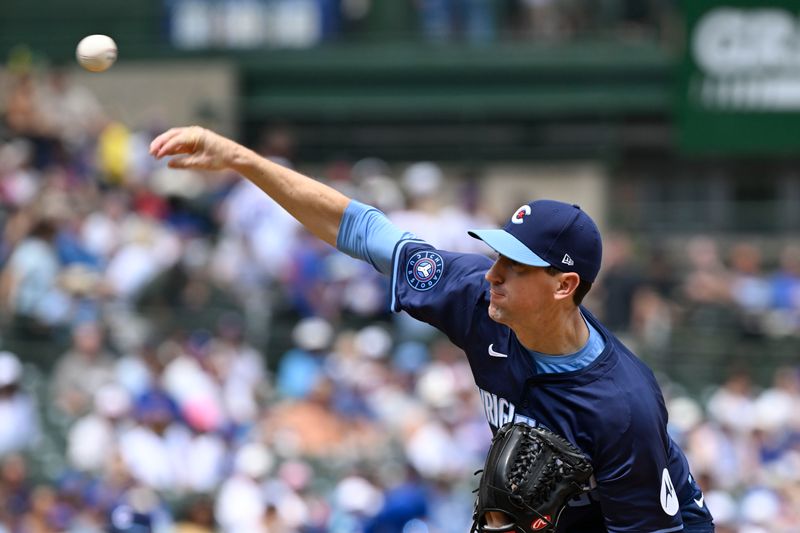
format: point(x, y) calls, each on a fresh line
point(699, 501)
point(496, 354)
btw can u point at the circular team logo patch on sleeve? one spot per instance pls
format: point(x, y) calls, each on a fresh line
point(424, 270)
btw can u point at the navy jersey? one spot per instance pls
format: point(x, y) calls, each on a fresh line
point(612, 409)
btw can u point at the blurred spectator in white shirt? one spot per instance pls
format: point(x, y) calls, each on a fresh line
point(422, 182)
point(147, 248)
point(72, 109)
point(153, 450)
point(267, 229)
point(732, 405)
point(205, 452)
point(20, 421)
point(241, 504)
point(92, 440)
point(82, 370)
point(240, 368)
point(19, 181)
point(102, 230)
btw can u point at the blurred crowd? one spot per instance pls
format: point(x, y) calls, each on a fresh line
point(650, 292)
point(744, 447)
point(179, 355)
point(304, 23)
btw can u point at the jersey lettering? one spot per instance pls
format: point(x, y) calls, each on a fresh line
point(499, 411)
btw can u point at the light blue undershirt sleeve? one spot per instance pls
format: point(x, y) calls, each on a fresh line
point(365, 233)
point(551, 364)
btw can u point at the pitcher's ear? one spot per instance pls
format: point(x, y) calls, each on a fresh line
point(567, 284)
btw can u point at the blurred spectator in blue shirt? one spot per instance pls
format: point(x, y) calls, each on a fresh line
point(301, 368)
point(444, 20)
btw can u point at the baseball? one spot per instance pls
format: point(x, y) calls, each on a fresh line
point(96, 53)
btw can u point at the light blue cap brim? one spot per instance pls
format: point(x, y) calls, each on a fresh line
point(506, 244)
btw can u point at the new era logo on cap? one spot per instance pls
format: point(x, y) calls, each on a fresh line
point(549, 233)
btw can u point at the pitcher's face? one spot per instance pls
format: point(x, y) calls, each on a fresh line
point(519, 293)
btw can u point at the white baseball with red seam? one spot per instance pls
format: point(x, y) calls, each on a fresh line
point(96, 53)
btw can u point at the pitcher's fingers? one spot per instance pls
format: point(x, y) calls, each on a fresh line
point(187, 161)
point(179, 161)
point(185, 142)
point(160, 140)
point(165, 144)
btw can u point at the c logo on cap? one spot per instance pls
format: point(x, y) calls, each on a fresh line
point(520, 214)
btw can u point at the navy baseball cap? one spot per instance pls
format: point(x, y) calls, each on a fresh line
point(549, 233)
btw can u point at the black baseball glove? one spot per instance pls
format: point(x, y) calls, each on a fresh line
point(529, 475)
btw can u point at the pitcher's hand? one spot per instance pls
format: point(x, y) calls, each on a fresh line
point(195, 147)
